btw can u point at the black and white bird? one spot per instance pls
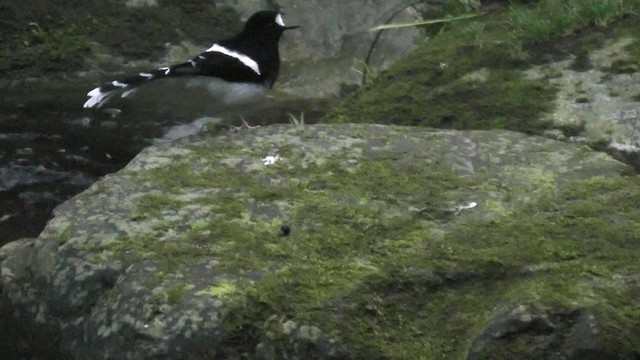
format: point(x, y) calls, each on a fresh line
point(236, 70)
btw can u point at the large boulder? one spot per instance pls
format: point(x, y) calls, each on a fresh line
point(337, 241)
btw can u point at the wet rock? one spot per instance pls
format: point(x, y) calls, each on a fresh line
point(599, 100)
point(141, 3)
point(334, 38)
point(571, 334)
point(16, 176)
point(301, 342)
point(518, 322)
point(196, 126)
point(179, 254)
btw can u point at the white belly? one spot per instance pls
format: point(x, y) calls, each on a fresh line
point(229, 93)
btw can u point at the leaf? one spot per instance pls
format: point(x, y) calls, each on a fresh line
point(423, 22)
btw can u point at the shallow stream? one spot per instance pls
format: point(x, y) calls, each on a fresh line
point(52, 149)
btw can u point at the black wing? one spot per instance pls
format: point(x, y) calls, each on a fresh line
point(213, 63)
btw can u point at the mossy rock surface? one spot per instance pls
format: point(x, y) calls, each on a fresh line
point(578, 83)
point(183, 252)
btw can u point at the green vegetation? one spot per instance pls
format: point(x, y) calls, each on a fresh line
point(38, 50)
point(175, 293)
point(220, 289)
point(551, 18)
point(470, 74)
point(298, 121)
point(43, 38)
point(426, 297)
point(631, 63)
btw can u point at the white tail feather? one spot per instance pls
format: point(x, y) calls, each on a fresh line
point(128, 92)
point(96, 98)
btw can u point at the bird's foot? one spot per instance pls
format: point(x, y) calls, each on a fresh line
point(244, 125)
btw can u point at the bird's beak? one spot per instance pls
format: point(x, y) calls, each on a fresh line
point(280, 22)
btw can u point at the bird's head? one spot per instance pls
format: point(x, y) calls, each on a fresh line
point(267, 22)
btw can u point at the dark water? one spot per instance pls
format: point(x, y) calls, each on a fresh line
point(52, 149)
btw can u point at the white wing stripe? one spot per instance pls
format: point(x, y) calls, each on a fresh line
point(249, 62)
point(96, 98)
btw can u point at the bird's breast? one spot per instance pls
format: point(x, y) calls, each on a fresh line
point(229, 93)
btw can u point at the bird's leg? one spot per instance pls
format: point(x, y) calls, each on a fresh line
point(244, 125)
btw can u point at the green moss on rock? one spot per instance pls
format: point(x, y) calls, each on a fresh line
point(473, 74)
point(431, 297)
point(385, 259)
point(377, 258)
point(475, 84)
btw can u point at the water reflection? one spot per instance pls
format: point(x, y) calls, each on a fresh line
point(48, 154)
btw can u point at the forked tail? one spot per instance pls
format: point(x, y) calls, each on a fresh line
point(124, 88)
